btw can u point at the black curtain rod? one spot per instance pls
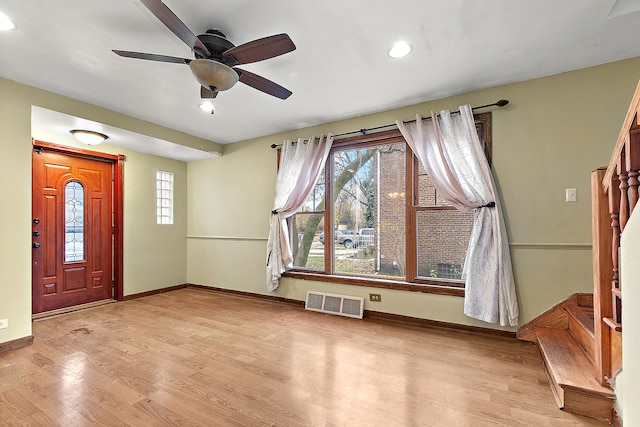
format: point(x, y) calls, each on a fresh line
point(500, 103)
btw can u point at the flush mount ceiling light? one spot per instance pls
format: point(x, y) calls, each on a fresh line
point(88, 137)
point(400, 49)
point(5, 23)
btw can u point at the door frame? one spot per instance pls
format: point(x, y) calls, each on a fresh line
point(117, 165)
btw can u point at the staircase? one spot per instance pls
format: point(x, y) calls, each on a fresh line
point(565, 337)
point(580, 339)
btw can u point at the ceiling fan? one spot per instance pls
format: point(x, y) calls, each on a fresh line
point(214, 66)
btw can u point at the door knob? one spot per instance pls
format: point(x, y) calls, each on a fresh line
point(36, 245)
point(36, 220)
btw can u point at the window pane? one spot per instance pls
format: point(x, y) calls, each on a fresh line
point(442, 240)
point(164, 197)
point(427, 194)
point(73, 222)
point(315, 201)
point(306, 237)
point(369, 211)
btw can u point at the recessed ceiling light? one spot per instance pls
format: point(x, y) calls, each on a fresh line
point(400, 49)
point(208, 106)
point(5, 23)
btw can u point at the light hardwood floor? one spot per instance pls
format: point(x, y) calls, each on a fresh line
point(195, 357)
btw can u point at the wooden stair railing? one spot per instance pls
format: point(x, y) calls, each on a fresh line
point(614, 198)
point(602, 276)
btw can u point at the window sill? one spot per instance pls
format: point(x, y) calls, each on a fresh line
point(426, 287)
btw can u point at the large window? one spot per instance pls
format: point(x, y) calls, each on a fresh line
point(375, 218)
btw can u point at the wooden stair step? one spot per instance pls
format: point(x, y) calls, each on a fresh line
point(580, 326)
point(571, 375)
point(583, 315)
point(584, 300)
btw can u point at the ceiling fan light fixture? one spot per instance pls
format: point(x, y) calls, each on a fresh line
point(214, 74)
point(400, 50)
point(208, 106)
point(88, 137)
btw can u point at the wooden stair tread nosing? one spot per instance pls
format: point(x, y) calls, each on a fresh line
point(567, 364)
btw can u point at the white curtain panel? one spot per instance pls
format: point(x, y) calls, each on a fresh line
point(451, 153)
point(300, 165)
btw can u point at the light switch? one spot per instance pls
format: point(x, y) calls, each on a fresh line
point(570, 195)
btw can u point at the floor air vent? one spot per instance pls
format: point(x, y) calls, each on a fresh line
point(335, 304)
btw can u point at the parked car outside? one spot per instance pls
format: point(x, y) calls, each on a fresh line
point(364, 237)
point(336, 234)
point(338, 237)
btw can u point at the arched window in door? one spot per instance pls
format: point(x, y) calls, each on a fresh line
point(73, 221)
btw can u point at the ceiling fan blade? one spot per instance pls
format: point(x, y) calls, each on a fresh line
point(207, 94)
point(262, 84)
point(261, 49)
point(172, 22)
point(151, 57)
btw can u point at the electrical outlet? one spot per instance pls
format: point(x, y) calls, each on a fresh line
point(375, 297)
point(4, 323)
point(570, 194)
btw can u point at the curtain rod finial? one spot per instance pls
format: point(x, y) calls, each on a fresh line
point(502, 103)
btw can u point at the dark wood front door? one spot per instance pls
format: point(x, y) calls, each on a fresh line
point(72, 230)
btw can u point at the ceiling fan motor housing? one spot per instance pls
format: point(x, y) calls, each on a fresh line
point(217, 44)
point(211, 72)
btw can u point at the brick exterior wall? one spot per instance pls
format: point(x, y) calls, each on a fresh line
point(392, 213)
point(443, 235)
point(443, 238)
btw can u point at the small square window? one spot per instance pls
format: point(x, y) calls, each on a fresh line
point(164, 197)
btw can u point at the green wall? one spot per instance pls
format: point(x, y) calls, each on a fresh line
point(154, 256)
point(15, 222)
point(553, 133)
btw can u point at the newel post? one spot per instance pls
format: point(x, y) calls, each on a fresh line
point(601, 237)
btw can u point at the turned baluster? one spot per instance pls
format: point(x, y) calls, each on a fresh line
point(633, 189)
point(624, 199)
point(632, 148)
point(614, 206)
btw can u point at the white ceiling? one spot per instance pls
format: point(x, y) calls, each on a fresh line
point(339, 70)
point(54, 126)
